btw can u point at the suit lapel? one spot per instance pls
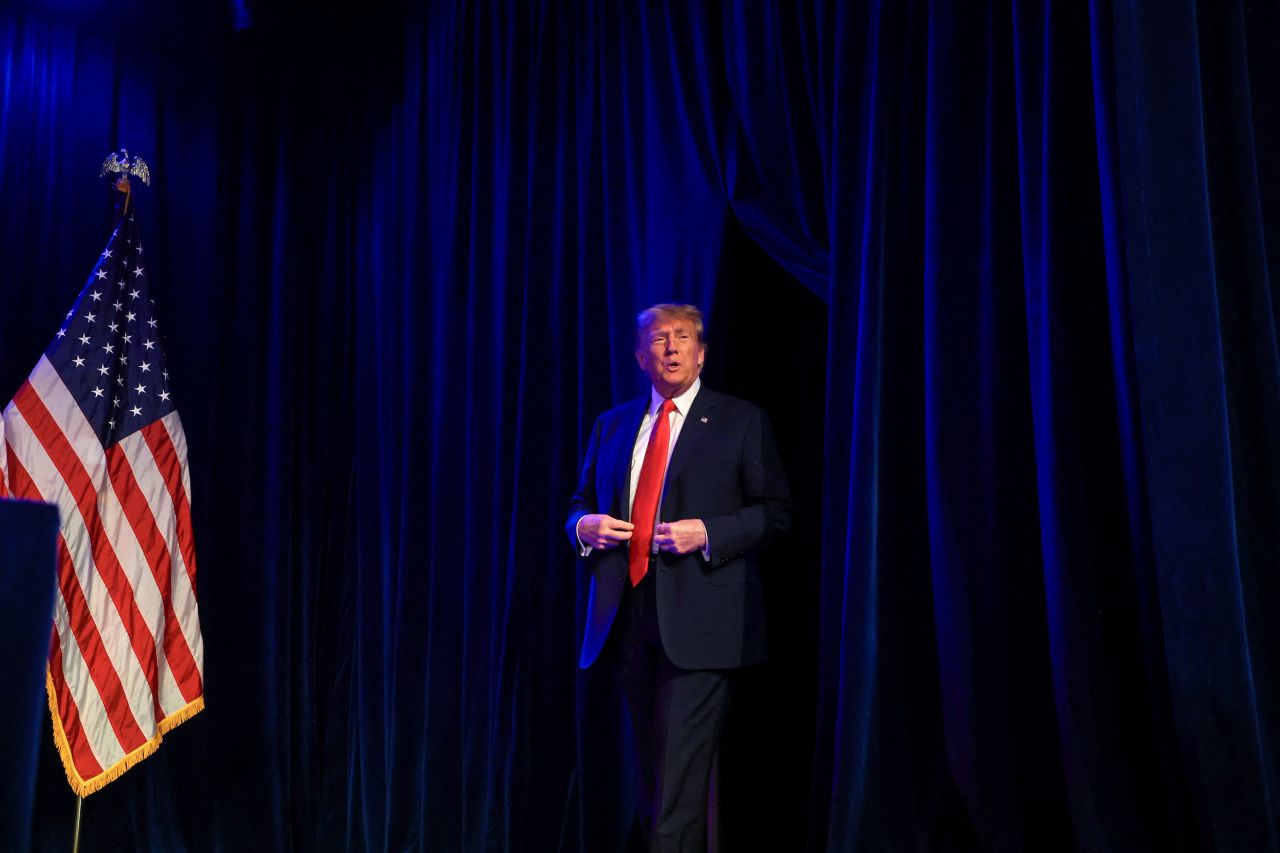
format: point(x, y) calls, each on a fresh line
point(693, 432)
point(630, 428)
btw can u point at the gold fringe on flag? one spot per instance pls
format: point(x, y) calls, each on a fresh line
point(85, 787)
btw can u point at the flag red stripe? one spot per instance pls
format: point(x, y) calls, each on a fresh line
point(170, 467)
point(62, 454)
point(19, 481)
point(181, 662)
point(82, 628)
point(86, 636)
point(81, 753)
point(101, 670)
point(113, 460)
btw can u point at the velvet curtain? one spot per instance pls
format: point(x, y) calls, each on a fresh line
point(400, 253)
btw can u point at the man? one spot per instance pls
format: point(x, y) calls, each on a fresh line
point(678, 492)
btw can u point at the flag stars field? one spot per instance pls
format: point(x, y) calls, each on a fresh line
point(115, 338)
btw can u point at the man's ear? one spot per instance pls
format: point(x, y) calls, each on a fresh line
point(640, 359)
point(702, 354)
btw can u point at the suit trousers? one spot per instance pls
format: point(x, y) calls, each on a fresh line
point(677, 717)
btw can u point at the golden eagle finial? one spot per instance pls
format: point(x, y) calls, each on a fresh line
point(137, 166)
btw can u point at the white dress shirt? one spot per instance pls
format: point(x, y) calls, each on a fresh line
point(683, 403)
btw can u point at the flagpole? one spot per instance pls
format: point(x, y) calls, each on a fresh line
point(75, 839)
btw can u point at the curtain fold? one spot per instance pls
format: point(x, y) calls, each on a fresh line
point(1206, 369)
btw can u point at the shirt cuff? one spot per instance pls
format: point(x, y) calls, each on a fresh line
point(706, 549)
point(583, 550)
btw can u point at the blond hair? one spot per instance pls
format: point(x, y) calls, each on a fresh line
point(668, 311)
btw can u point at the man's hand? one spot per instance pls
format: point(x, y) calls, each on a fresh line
point(681, 537)
point(597, 530)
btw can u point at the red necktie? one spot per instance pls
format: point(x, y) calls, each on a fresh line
point(644, 508)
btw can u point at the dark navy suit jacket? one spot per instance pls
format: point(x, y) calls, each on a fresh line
point(724, 469)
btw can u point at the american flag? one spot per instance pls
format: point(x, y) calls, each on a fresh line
point(95, 430)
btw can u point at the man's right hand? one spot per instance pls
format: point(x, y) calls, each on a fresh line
point(597, 530)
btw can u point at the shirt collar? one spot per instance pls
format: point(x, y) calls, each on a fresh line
point(683, 402)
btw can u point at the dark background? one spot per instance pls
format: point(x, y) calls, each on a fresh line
point(998, 272)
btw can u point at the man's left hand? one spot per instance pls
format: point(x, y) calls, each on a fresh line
point(681, 537)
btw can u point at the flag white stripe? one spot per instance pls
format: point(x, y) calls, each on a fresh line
point(183, 597)
point(173, 424)
point(104, 746)
point(115, 639)
point(171, 698)
point(133, 560)
point(90, 709)
point(66, 411)
point(4, 460)
point(184, 594)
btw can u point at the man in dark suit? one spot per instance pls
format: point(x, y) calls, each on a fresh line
point(678, 492)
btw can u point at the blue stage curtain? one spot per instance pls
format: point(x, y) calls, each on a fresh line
point(401, 254)
point(1196, 117)
point(1050, 223)
point(529, 195)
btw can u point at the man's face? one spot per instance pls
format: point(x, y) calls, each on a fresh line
point(671, 355)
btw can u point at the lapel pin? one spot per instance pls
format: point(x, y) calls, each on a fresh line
point(706, 420)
